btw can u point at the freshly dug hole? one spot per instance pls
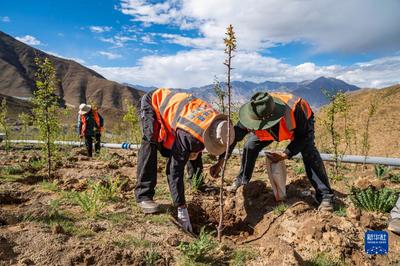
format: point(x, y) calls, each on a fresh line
point(242, 210)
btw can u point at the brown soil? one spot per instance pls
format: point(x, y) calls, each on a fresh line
point(122, 235)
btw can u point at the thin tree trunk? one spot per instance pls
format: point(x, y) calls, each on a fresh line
point(221, 194)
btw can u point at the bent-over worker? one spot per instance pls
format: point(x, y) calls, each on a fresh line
point(272, 117)
point(180, 126)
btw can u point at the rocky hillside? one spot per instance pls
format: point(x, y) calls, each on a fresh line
point(384, 129)
point(77, 83)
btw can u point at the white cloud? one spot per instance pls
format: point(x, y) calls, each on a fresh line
point(5, 19)
point(78, 60)
point(28, 39)
point(330, 25)
point(100, 29)
point(118, 41)
point(110, 55)
point(192, 42)
point(148, 39)
point(198, 67)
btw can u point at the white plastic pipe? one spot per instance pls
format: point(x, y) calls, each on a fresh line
point(325, 157)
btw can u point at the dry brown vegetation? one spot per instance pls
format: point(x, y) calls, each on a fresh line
point(384, 131)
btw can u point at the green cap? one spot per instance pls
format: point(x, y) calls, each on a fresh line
point(262, 112)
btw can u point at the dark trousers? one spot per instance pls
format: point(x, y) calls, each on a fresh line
point(89, 144)
point(147, 157)
point(313, 164)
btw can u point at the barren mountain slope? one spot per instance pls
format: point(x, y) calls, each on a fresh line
point(384, 128)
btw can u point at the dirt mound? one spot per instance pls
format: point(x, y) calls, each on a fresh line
point(291, 236)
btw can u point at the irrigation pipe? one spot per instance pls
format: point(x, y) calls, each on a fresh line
point(325, 156)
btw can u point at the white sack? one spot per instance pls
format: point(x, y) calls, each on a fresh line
point(277, 177)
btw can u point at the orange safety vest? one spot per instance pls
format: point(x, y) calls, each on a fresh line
point(181, 110)
point(96, 119)
point(287, 124)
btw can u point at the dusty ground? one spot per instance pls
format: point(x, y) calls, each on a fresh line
point(40, 225)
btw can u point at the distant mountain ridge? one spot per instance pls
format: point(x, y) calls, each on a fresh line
point(243, 90)
point(78, 84)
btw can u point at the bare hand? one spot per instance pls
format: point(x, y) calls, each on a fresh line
point(216, 169)
point(277, 156)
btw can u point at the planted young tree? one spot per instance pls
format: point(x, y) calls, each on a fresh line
point(338, 106)
point(365, 139)
point(230, 47)
point(131, 117)
point(46, 108)
point(25, 119)
point(4, 124)
point(220, 93)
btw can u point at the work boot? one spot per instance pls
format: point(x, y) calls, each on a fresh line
point(149, 206)
point(394, 225)
point(235, 185)
point(326, 205)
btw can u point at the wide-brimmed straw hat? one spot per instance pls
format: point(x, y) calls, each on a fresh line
point(84, 108)
point(216, 135)
point(262, 112)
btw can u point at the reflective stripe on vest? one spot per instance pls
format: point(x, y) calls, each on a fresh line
point(287, 124)
point(180, 110)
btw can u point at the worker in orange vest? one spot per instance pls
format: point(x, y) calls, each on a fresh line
point(272, 117)
point(90, 126)
point(180, 126)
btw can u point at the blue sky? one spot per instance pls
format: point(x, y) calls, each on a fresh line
point(178, 43)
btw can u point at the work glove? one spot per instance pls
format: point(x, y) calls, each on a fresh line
point(184, 220)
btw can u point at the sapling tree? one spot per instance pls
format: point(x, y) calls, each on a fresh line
point(338, 106)
point(365, 138)
point(4, 124)
point(220, 93)
point(25, 120)
point(131, 117)
point(46, 108)
point(230, 47)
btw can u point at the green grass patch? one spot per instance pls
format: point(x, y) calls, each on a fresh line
point(162, 192)
point(197, 180)
point(131, 241)
point(111, 191)
point(90, 200)
point(51, 186)
point(12, 170)
point(63, 219)
point(280, 209)
point(324, 259)
point(381, 171)
point(241, 257)
point(199, 250)
point(340, 210)
point(151, 258)
point(35, 164)
point(117, 218)
point(298, 169)
point(395, 178)
point(10, 178)
point(157, 219)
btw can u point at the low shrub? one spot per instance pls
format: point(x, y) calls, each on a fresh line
point(199, 250)
point(381, 170)
point(371, 199)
